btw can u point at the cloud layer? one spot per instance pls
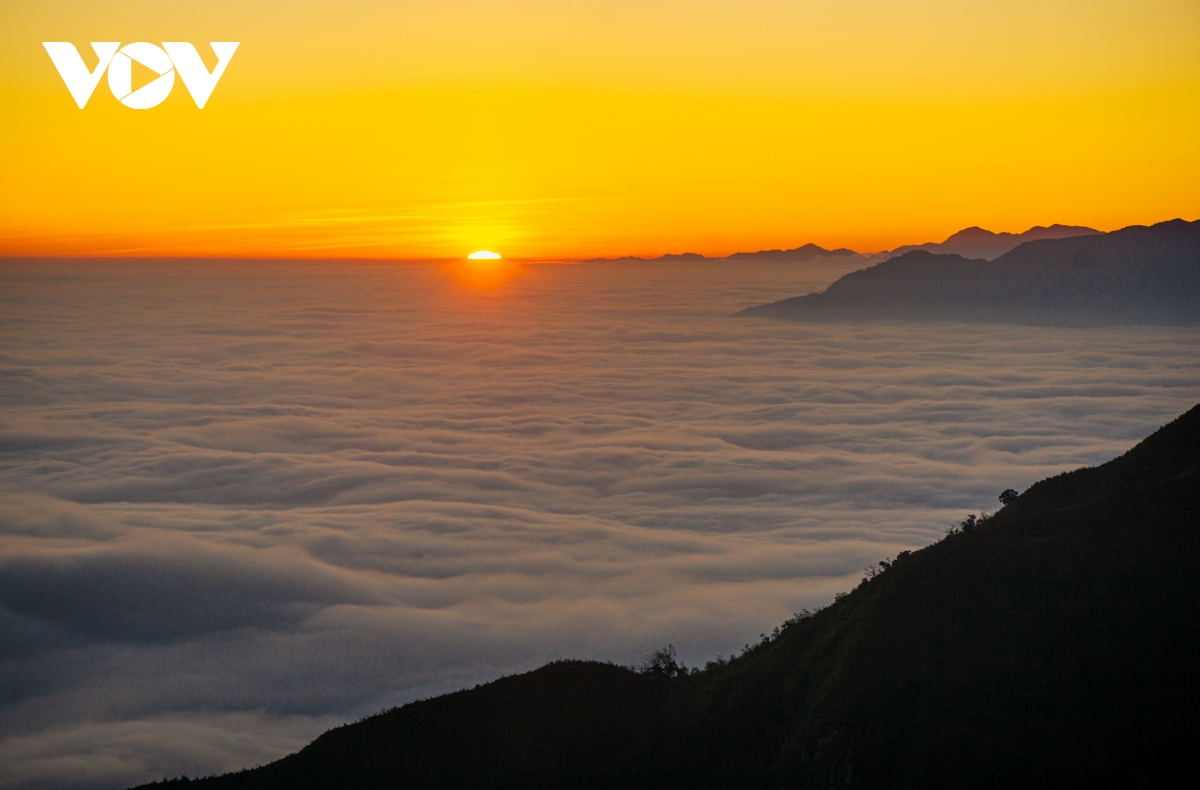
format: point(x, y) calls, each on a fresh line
point(262, 499)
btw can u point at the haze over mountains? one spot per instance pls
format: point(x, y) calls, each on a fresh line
point(1050, 645)
point(1137, 275)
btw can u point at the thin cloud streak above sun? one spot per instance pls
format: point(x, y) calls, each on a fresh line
point(623, 129)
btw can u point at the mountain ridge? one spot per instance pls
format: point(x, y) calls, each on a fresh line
point(969, 242)
point(801, 254)
point(1136, 275)
point(975, 242)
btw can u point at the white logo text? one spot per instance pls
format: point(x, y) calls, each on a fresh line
point(173, 57)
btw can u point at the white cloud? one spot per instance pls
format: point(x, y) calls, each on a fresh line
point(296, 493)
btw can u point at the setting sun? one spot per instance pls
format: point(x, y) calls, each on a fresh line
point(483, 269)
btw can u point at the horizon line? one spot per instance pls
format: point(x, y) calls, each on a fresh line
point(443, 260)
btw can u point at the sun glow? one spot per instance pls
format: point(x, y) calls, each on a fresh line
point(483, 270)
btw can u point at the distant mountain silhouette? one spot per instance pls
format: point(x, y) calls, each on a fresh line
point(798, 255)
point(975, 242)
point(681, 257)
point(670, 257)
point(971, 243)
point(1051, 645)
point(1138, 275)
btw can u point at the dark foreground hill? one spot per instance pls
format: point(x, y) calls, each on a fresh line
point(1051, 645)
point(1138, 275)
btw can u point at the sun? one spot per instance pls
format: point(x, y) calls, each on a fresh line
point(484, 270)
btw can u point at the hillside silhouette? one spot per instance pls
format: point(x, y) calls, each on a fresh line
point(1138, 275)
point(1052, 644)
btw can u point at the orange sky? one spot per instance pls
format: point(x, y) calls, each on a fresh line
point(547, 129)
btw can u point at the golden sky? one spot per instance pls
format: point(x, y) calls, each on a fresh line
point(555, 129)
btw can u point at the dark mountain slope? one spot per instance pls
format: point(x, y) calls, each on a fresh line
point(1138, 275)
point(1053, 644)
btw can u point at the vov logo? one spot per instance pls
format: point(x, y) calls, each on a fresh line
point(165, 61)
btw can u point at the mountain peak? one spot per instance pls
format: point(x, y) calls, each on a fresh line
point(974, 233)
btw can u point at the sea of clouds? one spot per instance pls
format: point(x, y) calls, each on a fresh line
point(242, 503)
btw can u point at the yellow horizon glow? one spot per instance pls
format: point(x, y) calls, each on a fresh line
point(351, 130)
